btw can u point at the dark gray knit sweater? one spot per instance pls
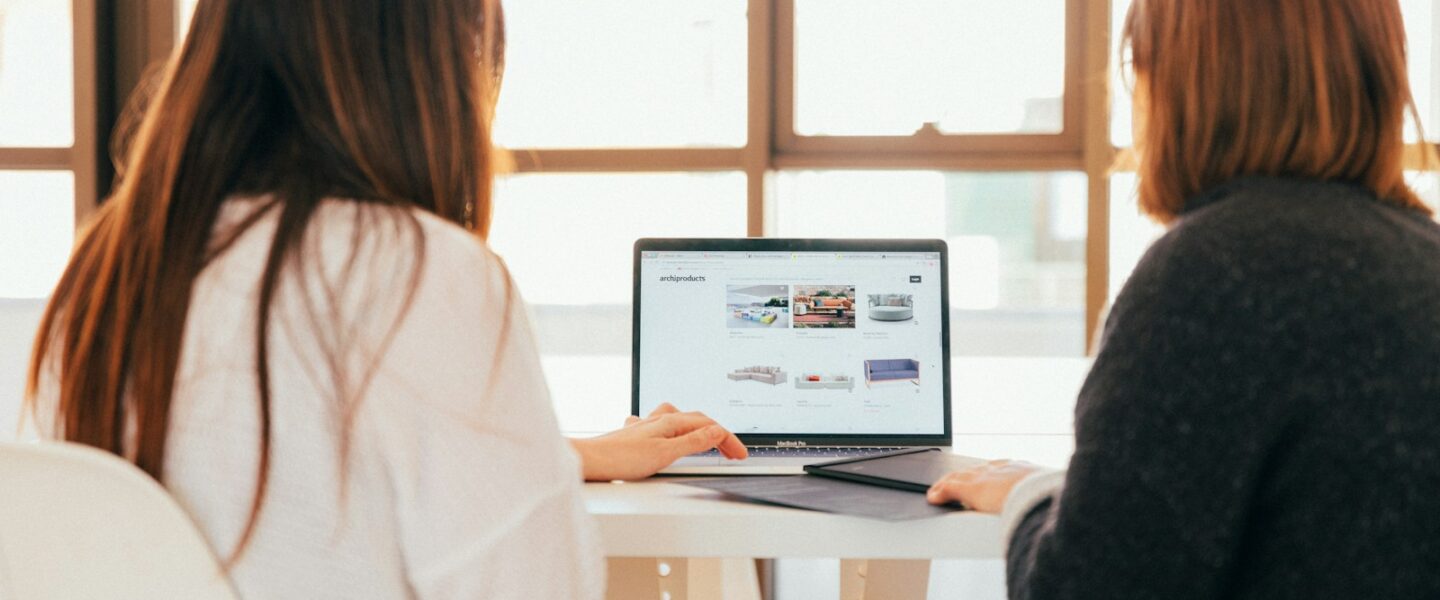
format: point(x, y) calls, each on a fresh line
point(1263, 419)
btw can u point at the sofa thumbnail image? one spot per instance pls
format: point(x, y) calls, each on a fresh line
point(806, 305)
point(891, 307)
point(824, 306)
point(816, 381)
point(757, 306)
point(759, 315)
point(898, 369)
point(770, 375)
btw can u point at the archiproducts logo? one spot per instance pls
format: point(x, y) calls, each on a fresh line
point(684, 278)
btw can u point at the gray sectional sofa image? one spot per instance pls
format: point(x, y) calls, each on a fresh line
point(770, 375)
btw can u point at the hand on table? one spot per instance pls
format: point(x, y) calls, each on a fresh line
point(644, 446)
point(983, 488)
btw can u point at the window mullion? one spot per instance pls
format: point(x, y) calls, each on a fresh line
point(764, 37)
point(1099, 158)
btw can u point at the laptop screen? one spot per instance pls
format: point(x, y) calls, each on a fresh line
point(795, 343)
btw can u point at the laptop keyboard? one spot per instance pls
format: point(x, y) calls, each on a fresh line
point(808, 451)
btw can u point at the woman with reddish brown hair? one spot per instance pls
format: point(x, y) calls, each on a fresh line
point(287, 315)
point(1263, 417)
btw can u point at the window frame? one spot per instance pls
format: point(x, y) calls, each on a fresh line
point(1066, 143)
point(772, 144)
point(82, 157)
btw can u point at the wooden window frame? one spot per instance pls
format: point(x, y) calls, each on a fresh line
point(113, 43)
point(772, 145)
point(1064, 146)
point(81, 157)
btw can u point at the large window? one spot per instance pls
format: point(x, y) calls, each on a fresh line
point(977, 122)
point(893, 70)
point(638, 73)
point(801, 118)
point(47, 141)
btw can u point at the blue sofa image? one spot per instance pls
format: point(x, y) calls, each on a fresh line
point(899, 369)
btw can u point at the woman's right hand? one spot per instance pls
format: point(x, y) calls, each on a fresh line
point(644, 446)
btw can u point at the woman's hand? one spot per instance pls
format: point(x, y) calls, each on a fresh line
point(644, 446)
point(983, 488)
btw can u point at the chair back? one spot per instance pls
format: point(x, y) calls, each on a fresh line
point(77, 522)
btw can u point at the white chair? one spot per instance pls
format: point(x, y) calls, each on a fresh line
point(79, 523)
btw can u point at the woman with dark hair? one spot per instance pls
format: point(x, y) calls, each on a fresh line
point(287, 315)
point(1263, 418)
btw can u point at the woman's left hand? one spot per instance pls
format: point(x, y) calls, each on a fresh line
point(644, 446)
point(983, 488)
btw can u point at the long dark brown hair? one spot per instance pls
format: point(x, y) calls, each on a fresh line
point(1314, 89)
point(381, 102)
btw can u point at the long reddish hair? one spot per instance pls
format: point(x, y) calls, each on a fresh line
point(1296, 88)
point(380, 102)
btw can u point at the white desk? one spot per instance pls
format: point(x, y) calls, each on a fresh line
point(660, 518)
point(705, 541)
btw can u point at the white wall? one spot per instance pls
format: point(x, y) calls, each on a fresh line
point(18, 321)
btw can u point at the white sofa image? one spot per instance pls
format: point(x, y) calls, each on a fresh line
point(891, 307)
point(815, 381)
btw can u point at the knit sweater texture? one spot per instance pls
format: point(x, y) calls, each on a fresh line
point(1263, 418)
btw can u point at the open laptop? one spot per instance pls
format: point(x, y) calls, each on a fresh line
point(809, 350)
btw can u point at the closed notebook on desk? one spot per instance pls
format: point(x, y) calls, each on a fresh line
point(912, 470)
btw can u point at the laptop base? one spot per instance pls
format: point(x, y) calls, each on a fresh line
point(766, 460)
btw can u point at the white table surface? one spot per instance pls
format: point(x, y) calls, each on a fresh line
point(661, 518)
